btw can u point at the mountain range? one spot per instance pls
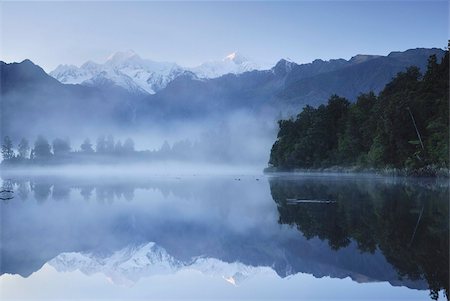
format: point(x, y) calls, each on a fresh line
point(128, 70)
point(127, 91)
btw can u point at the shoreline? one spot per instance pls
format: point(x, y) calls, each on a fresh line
point(425, 172)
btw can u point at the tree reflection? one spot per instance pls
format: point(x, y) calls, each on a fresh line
point(408, 223)
point(86, 192)
point(60, 192)
point(41, 191)
point(23, 190)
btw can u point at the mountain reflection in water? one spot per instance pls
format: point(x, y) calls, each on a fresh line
point(378, 229)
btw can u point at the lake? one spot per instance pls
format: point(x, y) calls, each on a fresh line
point(228, 237)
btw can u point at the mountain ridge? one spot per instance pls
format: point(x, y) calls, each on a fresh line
point(28, 93)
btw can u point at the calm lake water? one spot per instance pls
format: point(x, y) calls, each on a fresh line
point(230, 237)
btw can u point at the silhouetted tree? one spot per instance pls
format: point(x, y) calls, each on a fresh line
point(24, 148)
point(42, 148)
point(109, 144)
point(101, 144)
point(87, 146)
point(7, 149)
point(165, 148)
point(61, 147)
point(128, 145)
point(118, 148)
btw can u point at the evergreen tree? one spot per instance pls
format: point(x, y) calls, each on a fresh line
point(118, 148)
point(7, 148)
point(42, 148)
point(61, 147)
point(109, 144)
point(165, 148)
point(128, 145)
point(101, 144)
point(24, 148)
point(86, 146)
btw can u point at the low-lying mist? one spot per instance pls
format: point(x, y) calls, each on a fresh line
point(234, 142)
point(161, 168)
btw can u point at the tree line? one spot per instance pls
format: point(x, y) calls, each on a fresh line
point(43, 150)
point(405, 126)
point(104, 150)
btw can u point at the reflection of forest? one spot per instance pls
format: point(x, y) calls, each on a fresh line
point(111, 189)
point(408, 222)
point(45, 188)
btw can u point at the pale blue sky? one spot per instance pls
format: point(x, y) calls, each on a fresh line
point(189, 33)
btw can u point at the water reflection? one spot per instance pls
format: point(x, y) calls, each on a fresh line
point(407, 221)
point(378, 230)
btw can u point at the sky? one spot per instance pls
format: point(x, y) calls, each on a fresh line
point(190, 33)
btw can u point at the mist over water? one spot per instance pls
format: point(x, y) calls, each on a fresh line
point(235, 139)
point(152, 169)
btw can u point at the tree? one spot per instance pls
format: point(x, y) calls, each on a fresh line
point(24, 148)
point(128, 145)
point(101, 144)
point(42, 148)
point(109, 144)
point(86, 147)
point(61, 147)
point(7, 149)
point(118, 148)
point(165, 148)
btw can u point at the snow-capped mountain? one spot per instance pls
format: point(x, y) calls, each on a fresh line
point(125, 69)
point(233, 63)
point(127, 266)
point(128, 70)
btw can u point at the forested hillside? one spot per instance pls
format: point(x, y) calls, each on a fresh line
point(405, 126)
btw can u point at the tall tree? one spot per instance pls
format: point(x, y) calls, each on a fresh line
point(118, 148)
point(101, 144)
point(61, 147)
point(42, 148)
point(109, 144)
point(7, 148)
point(128, 145)
point(86, 147)
point(24, 148)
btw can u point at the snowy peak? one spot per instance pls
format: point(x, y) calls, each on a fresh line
point(234, 63)
point(236, 58)
point(129, 59)
point(89, 65)
point(125, 267)
point(124, 69)
point(122, 56)
point(128, 70)
point(70, 74)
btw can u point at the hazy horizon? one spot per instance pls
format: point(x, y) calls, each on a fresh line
point(190, 34)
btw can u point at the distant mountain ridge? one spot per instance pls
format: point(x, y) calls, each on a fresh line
point(28, 93)
point(288, 87)
point(142, 76)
